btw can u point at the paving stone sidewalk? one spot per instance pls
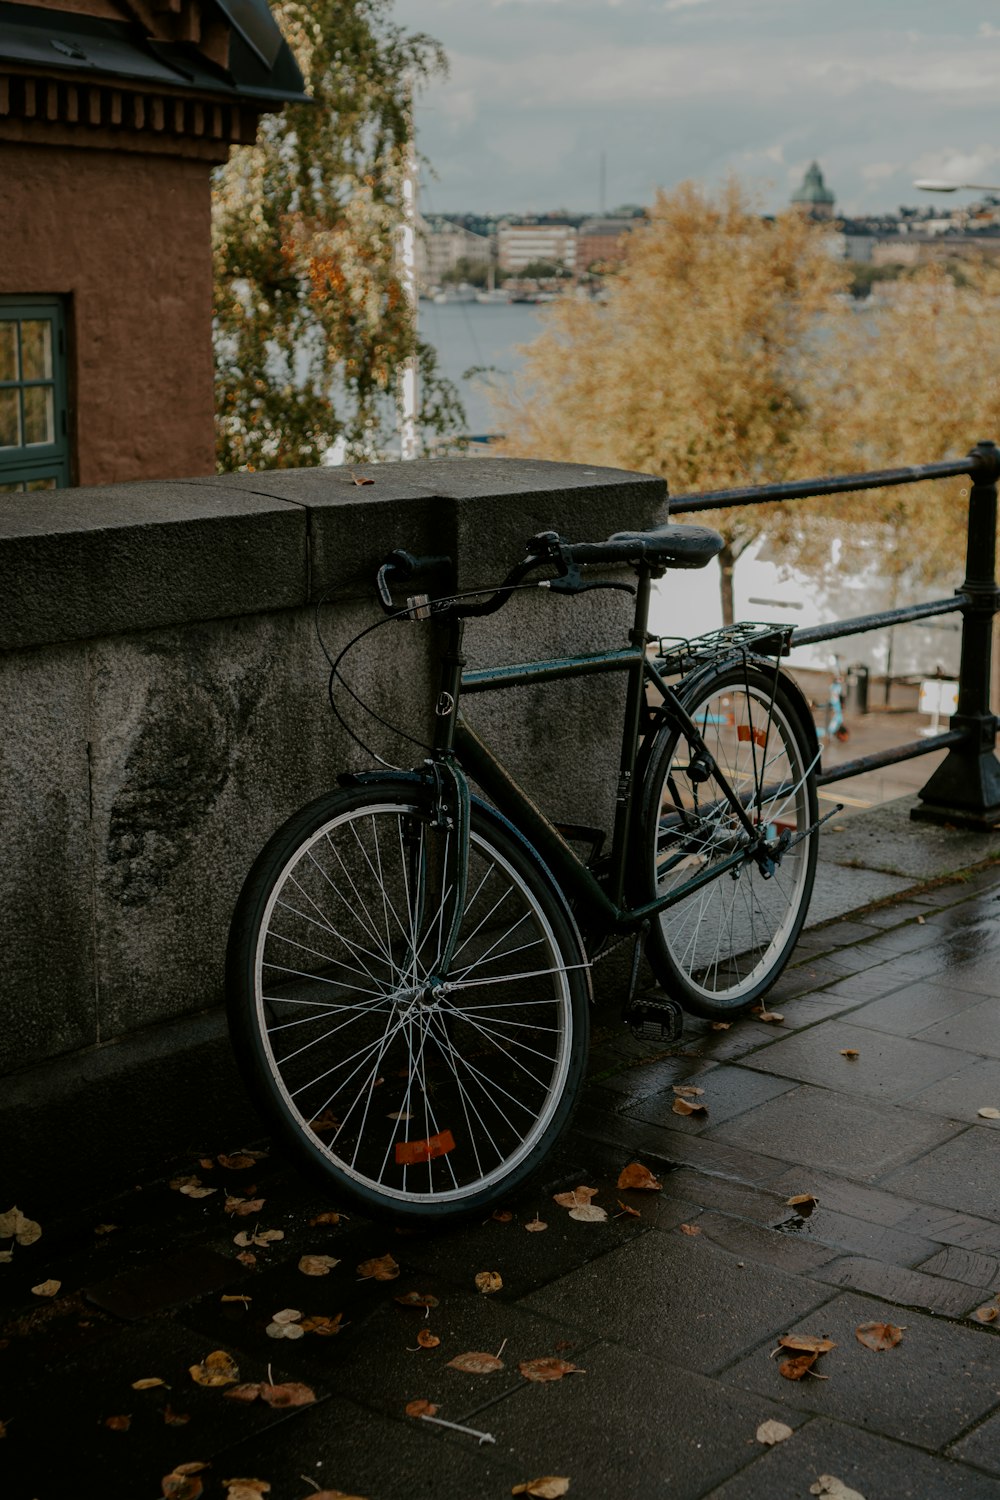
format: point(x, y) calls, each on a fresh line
point(866, 1095)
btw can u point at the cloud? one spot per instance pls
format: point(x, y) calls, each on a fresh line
point(878, 171)
point(952, 165)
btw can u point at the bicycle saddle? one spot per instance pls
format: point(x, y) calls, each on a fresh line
point(672, 546)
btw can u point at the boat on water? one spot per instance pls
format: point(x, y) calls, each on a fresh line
point(497, 294)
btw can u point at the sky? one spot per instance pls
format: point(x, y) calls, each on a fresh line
point(879, 92)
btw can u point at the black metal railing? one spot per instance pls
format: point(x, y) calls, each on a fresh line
point(965, 788)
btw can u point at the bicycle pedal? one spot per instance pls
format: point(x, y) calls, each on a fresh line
point(652, 1020)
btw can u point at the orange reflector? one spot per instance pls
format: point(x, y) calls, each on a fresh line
point(744, 732)
point(408, 1153)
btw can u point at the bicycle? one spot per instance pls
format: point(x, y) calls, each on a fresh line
point(409, 966)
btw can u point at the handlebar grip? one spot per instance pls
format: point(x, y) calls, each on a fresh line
point(402, 567)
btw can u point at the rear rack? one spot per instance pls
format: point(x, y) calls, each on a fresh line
point(673, 654)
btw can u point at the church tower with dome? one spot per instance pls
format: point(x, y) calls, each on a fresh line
point(814, 197)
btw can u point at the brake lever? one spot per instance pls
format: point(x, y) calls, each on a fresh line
point(572, 583)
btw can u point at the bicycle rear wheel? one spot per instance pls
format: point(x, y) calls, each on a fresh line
point(722, 947)
point(416, 1092)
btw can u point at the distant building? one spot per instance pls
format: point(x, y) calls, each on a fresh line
point(813, 197)
point(520, 245)
point(603, 242)
point(441, 244)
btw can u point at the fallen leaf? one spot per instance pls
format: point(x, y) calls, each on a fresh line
point(548, 1368)
point(989, 1113)
point(118, 1424)
point(548, 1487)
point(190, 1180)
point(626, 1208)
point(247, 1257)
point(771, 1017)
point(147, 1383)
point(324, 1326)
point(685, 1107)
point(688, 1090)
point(326, 1121)
point(690, 1229)
point(317, 1265)
point(105, 1228)
point(238, 1162)
point(6, 1256)
point(243, 1207)
point(805, 1202)
point(276, 1330)
point(427, 1340)
point(798, 1366)
point(850, 1052)
point(292, 1393)
point(361, 479)
point(262, 1237)
point(287, 1315)
point(577, 1198)
point(773, 1432)
point(879, 1336)
point(399, 1114)
point(535, 1226)
point(720, 1025)
point(834, 1489)
point(502, 1215)
point(332, 1495)
point(46, 1288)
point(808, 1343)
point(175, 1418)
point(639, 1178)
point(190, 1190)
point(325, 1218)
point(921, 921)
point(381, 1268)
point(207, 1163)
point(219, 1368)
point(182, 1483)
point(476, 1364)
point(417, 1299)
point(14, 1225)
point(489, 1281)
point(236, 1297)
point(987, 1314)
point(245, 1489)
point(589, 1213)
point(421, 1408)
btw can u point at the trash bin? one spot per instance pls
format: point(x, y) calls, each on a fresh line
point(857, 688)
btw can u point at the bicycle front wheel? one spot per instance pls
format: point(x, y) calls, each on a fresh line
point(417, 1092)
point(719, 949)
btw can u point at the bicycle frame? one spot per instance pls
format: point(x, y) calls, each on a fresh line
point(603, 905)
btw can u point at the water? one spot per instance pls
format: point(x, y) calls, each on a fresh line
point(470, 334)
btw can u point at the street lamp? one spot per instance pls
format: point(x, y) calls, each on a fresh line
point(937, 185)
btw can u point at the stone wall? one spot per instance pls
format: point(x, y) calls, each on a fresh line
point(164, 701)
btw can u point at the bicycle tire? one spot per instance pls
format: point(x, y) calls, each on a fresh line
point(721, 948)
point(412, 1104)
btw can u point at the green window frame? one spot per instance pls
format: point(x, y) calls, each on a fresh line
point(34, 441)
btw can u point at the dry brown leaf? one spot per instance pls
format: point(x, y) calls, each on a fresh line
point(147, 1383)
point(987, 1314)
point(317, 1265)
point(417, 1299)
point(262, 1237)
point(770, 1017)
point(806, 1202)
point(324, 1326)
point(245, 1489)
point(276, 1330)
point(989, 1113)
point(14, 1226)
point(639, 1178)
point(535, 1226)
point(238, 1162)
point(798, 1366)
point(548, 1368)
point(236, 1297)
point(502, 1215)
point(247, 1257)
point(243, 1207)
point(332, 1495)
point(198, 1192)
point(326, 1121)
point(773, 1432)
point(175, 1418)
point(476, 1364)
point(548, 1487)
point(182, 1483)
point(576, 1198)
point(489, 1281)
point(688, 1090)
point(690, 1229)
point(46, 1288)
point(118, 1424)
point(326, 1218)
point(589, 1213)
point(292, 1393)
point(807, 1343)
point(421, 1408)
point(219, 1368)
point(381, 1268)
point(720, 1025)
point(105, 1228)
point(189, 1180)
point(361, 479)
point(427, 1340)
point(685, 1107)
point(850, 1052)
point(834, 1489)
point(879, 1336)
point(627, 1209)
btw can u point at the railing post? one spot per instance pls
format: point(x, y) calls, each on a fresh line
point(965, 788)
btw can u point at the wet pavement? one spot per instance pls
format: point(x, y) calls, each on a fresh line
point(864, 1091)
